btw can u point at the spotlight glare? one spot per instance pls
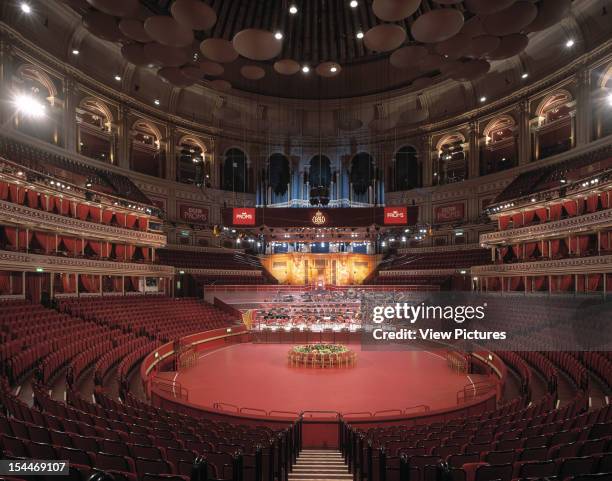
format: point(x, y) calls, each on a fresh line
point(483, 99)
point(29, 106)
point(278, 35)
point(293, 10)
point(525, 75)
point(25, 7)
point(75, 52)
point(118, 78)
point(305, 69)
point(360, 35)
point(333, 69)
point(353, 3)
point(570, 43)
point(156, 101)
point(610, 99)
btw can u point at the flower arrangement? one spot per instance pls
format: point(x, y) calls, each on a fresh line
point(320, 349)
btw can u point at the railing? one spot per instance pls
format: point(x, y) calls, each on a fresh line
point(474, 390)
point(171, 387)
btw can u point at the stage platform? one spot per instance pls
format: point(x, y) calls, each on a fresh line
point(258, 379)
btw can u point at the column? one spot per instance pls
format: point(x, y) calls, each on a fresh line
point(123, 149)
point(171, 159)
point(427, 162)
point(70, 115)
point(474, 153)
point(5, 78)
point(583, 108)
point(524, 137)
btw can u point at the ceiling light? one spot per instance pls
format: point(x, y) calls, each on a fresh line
point(25, 7)
point(278, 35)
point(360, 34)
point(118, 78)
point(333, 69)
point(525, 75)
point(156, 101)
point(483, 99)
point(293, 10)
point(353, 3)
point(29, 106)
point(570, 43)
point(305, 69)
point(75, 52)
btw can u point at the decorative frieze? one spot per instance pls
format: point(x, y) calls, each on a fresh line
point(220, 272)
point(574, 265)
point(21, 261)
point(34, 218)
point(418, 272)
point(559, 228)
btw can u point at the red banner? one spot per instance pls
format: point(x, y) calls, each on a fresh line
point(449, 213)
point(396, 215)
point(191, 213)
point(243, 216)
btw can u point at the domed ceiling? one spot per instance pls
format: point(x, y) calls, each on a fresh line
point(319, 48)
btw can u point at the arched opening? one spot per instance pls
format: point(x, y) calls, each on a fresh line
point(362, 178)
point(147, 156)
point(234, 172)
point(279, 176)
point(319, 179)
point(94, 130)
point(192, 164)
point(407, 173)
point(555, 132)
point(37, 113)
point(603, 105)
point(452, 162)
point(499, 151)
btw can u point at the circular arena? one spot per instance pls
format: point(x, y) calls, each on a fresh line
point(305, 240)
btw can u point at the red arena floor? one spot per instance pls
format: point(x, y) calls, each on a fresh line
point(258, 376)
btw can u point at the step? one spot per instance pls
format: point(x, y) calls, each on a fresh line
point(320, 456)
point(319, 462)
point(328, 469)
point(303, 476)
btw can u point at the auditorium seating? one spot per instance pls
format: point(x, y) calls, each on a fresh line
point(451, 259)
point(159, 317)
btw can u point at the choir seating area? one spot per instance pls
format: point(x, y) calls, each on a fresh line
point(235, 260)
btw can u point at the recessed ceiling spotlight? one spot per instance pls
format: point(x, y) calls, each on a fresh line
point(25, 7)
point(75, 52)
point(293, 10)
point(118, 78)
point(354, 3)
point(483, 99)
point(305, 69)
point(570, 43)
point(360, 34)
point(156, 101)
point(333, 69)
point(525, 75)
point(278, 35)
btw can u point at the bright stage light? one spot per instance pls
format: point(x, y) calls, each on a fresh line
point(29, 106)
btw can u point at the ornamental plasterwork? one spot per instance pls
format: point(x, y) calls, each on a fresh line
point(418, 272)
point(563, 228)
point(447, 248)
point(20, 214)
point(577, 265)
point(23, 261)
point(221, 272)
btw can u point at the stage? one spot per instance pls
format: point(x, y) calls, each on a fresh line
point(257, 378)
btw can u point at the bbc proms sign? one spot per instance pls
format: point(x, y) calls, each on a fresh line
point(449, 213)
point(192, 213)
point(243, 216)
point(396, 215)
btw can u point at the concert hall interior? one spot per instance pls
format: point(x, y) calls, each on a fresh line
point(306, 240)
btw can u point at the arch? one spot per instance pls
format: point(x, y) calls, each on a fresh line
point(146, 133)
point(193, 166)
point(33, 73)
point(94, 105)
point(407, 173)
point(606, 77)
point(448, 139)
point(279, 173)
point(497, 128)
point(192, 140)
point(553, 100)
point(319, 171)
point(234, 169)
point(362, 172)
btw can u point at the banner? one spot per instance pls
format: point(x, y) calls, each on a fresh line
point(320, 217)
point(191, 213)
point(396, 215)
point(243, 216)
point(449, 213)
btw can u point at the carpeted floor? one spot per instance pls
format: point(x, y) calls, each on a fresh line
point(258, 376)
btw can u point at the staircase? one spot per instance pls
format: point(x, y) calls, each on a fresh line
point(320, 465)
